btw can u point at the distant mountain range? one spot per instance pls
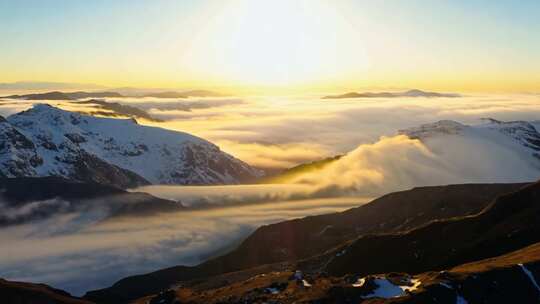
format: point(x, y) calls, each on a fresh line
point(409, 93)
point(57, 95)
point(115, 109)
point(183, 94)
point(47, 141)
point(48, 86)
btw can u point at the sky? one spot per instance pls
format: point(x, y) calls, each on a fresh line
point(263, 46)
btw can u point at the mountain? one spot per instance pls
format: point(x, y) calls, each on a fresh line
point(182, 94)
point(202, 93)
point(27, 199)
point(47, 141)
point(56, 95)
point(121, 92)
point(166, 94)
point(522, 136)
point(297, 239)
point(82, 94)
point(509, 223)
point(510, 278)
point(30, 293)
point(405, 266)
point(409, 93)
point(116, 109)
point(506, 151)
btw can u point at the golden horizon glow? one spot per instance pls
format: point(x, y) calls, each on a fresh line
point(274, 47)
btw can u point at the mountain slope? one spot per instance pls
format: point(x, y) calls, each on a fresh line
point(510, 278)
point(404, 267)
point(302, 238)
point(27, 199)
point(29, 293)
point(47, 141)
point(508, 223)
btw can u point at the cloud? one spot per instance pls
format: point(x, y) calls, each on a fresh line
point(94, 254)
point(399, 163)
point(267, 155)
point(29, 211)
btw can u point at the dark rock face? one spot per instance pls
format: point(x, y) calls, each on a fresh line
point(302, 238)
point(196, 156)
point(75, 138)
point(89, 168)
point(18, 155)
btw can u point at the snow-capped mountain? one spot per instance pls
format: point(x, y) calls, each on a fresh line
point(492, 151)
point(47, 141)
point(523, 135)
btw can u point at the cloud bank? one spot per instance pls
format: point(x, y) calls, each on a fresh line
point(78, 251)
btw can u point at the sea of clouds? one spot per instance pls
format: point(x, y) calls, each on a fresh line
point(80, 251)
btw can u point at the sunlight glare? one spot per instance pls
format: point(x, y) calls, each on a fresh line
point(279, 42)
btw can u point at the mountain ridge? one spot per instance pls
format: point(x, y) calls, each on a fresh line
point(45, 140)
point(409, 93)
point(323, 232)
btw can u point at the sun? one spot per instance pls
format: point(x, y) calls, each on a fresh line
point(279, 42)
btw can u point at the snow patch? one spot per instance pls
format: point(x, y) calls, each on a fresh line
point(530, 275)
point(306, 283)
point(386, 289)
point(460, 300)
point(359, 283)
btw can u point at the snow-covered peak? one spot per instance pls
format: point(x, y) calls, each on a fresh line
point(62, 139)
point(520, 137)
point(444, 127)
point(521, 131)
